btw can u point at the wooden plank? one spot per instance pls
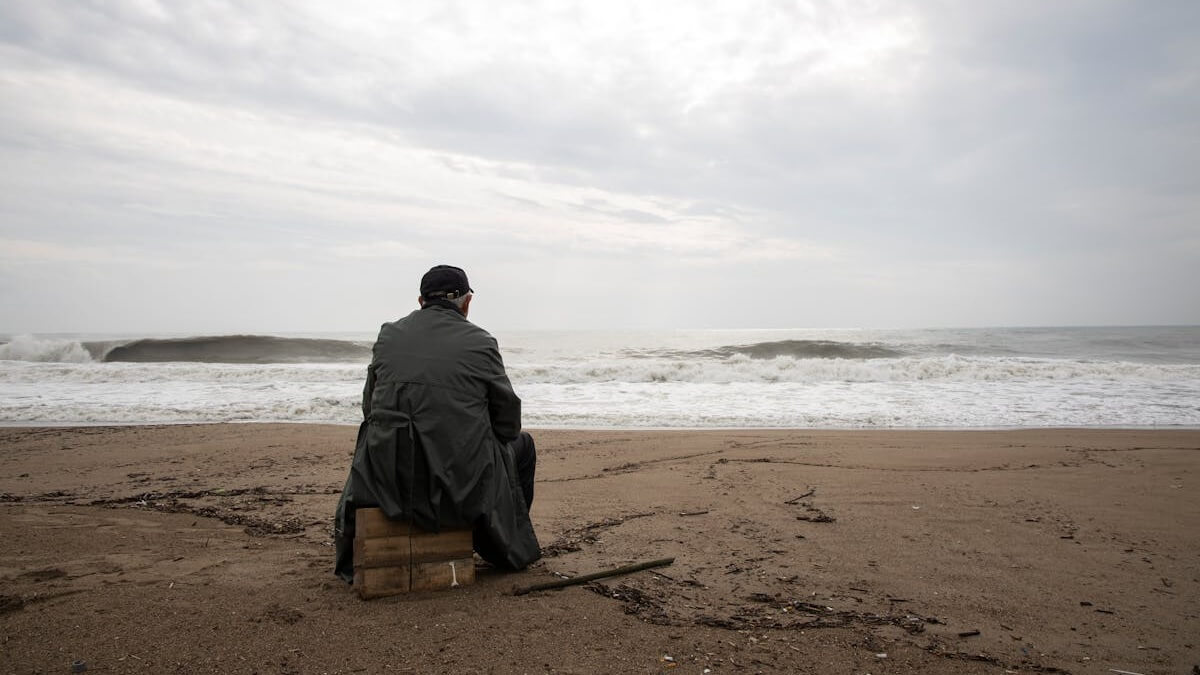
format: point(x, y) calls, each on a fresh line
point(423, 547)
point(373, 523)
point(436, 576)
point(382, 551)
point(446, 545)
point(377, 582)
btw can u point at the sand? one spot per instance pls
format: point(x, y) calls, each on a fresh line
point(207, 549)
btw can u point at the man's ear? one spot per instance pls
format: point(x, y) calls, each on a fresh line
point(467, 304)
point(420, 301)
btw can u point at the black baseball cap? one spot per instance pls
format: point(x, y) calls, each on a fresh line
point(445, 281)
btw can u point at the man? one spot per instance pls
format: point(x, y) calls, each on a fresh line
point(441, 442)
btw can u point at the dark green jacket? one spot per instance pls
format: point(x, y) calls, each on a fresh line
point(439, 412)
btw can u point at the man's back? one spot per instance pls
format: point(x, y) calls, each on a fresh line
point(445, 375)
point(447, 368)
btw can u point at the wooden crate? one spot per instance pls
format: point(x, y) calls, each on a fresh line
point(392, 557)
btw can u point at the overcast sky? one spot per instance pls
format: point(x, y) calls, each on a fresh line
point(227, 166)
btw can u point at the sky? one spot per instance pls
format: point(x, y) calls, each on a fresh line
point(218, 166)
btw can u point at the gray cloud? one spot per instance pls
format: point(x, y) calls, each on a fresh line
point(919, 165)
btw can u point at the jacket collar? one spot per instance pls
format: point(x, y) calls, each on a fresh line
point(443, 303)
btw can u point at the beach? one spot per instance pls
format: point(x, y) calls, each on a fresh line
point(206, 548)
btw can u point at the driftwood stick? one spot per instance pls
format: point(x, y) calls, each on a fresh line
point(811, 491)
point(584, 578)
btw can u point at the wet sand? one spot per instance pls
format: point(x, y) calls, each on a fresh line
point(207, 549)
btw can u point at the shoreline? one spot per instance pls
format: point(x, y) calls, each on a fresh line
point(116, 425)
point(205, 547)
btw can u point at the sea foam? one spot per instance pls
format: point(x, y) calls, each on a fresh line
point(39, 350)
point(789, 369)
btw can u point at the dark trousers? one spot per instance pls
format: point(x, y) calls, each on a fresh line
point(525, 459)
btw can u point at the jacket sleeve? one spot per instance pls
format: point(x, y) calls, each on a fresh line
point(504, 406)
point(368, 391)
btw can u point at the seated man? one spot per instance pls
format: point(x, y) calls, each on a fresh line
point(441, 442)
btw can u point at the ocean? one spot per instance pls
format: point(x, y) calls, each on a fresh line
point(1132, 377)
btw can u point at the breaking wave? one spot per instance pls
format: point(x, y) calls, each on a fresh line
point(240, 349)
point(205, 349)
point(796, 349)
point(272, 349)
point(37, 350)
